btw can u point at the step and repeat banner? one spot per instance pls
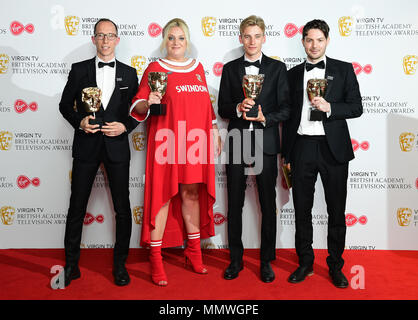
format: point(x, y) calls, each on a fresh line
point(39, 40)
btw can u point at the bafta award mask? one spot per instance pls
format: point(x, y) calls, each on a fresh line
point(406, 141)
point(71, 25)
point(157, 81)
point(7, 215)
point(209, 26)
point(410, 64)
point(404, 216)
point(345, 26)
point(4, 63)
point(5, 140)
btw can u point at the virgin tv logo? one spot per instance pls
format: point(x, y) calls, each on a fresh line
point(351, 220)
point(219, 218)
point(90, 218)
point(365, 145)
point(358, 68)
point(21, 106)
point(154, 29)
point(23, 182)
point(217, 69)
point(290, 30)
point(16, 28)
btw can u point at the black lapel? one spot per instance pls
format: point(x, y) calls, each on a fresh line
point(91, 72)
point(264, 65)
point(91, 75)
point(300, 85)
point(330, 73)
point(118, 74)
point(263, 70)
point(241, 69)
point(118, 78)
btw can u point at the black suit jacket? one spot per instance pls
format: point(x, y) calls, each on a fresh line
point(344, 96)
point(87, 146)
point(274, 99)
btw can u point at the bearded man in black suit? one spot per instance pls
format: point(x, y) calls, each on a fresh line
point(316, 140)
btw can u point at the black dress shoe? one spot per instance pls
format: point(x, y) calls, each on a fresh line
point(266, 272)
point(300, 274)
point(338, 279)
point(233, 270)
point(121, 275)
point(71, 272)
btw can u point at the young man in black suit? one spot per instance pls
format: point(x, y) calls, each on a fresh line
point(95, 143)
point(320, 145)
point(263, 141)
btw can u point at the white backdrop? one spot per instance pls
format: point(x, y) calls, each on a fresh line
point(39, 40)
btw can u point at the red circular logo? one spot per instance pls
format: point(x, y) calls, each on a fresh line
point(88, 218)
point(218, 218)
point(217, 68)
point(154, 29)
point(100, 218)
point(290, 30)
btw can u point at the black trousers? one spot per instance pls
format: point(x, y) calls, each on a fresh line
point(266, 185)
point(310, 156)
point(83, 175)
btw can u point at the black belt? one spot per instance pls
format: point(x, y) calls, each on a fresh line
point(313, 137)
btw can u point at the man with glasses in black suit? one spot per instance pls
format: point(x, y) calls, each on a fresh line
point(105, 143)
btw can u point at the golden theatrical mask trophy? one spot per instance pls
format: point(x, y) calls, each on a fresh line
point(316, 88)
point(91, 98)
point(252, 85)
point(157, 81)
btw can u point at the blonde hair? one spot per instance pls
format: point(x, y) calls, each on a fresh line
point(176, 22)
point(252, 21)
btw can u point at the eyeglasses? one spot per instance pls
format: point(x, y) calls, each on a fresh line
point(109, 36)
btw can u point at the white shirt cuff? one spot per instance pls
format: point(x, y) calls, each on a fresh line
point(132, 108)
point(329, 112)
point(239, 113)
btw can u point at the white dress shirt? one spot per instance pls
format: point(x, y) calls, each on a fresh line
point(105, 79)
point(306, 127)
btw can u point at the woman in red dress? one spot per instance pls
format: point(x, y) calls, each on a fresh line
point(180, 171)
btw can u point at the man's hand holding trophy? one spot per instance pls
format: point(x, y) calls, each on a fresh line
point(91, 100)
point(316, 89)
point(252, 85)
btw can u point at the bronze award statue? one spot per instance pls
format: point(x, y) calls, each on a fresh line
point(316, 88)
point(252, 85)
point(157, 81)
point(91, 99)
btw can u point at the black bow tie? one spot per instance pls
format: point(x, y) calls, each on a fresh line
point(310, 66)
point(255, 63)
point(109, 64)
